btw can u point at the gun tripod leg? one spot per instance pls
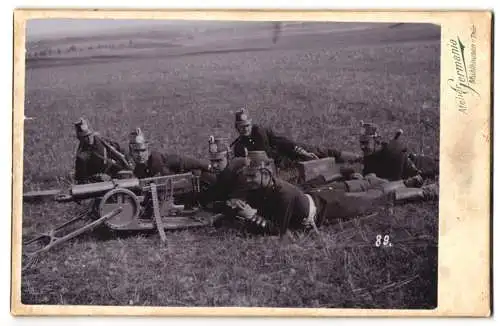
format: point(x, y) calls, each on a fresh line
point(57, 240)
point(156, 213)
point(51, 234)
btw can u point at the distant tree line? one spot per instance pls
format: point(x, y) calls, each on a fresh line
point(73, 48)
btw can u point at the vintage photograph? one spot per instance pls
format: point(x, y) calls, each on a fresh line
point(190, 163)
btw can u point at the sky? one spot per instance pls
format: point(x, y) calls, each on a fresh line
point(43, 28)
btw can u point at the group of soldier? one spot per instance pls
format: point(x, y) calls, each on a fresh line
point(242, 179)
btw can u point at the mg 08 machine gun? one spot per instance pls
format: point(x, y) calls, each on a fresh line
point(131, 205)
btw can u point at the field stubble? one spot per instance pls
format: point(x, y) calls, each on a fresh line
point(316, 96)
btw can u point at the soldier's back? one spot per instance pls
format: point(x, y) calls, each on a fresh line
point(391, 162)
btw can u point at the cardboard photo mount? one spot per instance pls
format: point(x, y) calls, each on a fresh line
point(464, 263)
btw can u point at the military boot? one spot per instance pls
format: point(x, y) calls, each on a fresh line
point(431, 191)
point(408, 194)
point(426, 193)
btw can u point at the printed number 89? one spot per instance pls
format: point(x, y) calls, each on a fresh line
point(384, 243)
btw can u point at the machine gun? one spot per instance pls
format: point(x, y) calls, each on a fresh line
point(121, 204)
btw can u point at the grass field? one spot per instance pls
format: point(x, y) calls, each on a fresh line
point(314, 85)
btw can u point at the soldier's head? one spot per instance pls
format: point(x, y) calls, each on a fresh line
point(83, 132)
point(369, 139)
point(218, 153)
point(258, 170)
point(138, 146)
point(243, 122)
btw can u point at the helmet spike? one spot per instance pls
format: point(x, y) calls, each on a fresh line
point(217, 148)
point(137, 139)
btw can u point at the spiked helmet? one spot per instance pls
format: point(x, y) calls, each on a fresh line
point(369, 131)
point(82, 128)
point(217, 148)
point(242, 118)
point(257, 160)
point(137, 140)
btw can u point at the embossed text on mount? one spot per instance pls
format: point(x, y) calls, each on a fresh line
point(473, 55)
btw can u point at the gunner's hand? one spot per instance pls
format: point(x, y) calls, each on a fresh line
point(246, 211)
point(305, 154)
point(311, 156)
point(357, 176)
point(235, 203)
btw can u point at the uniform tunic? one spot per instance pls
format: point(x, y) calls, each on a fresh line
point(391, 163)
point(282, 204)
point(285, 206)
point(428, 166)
point(229, 183)
point(264, 139)
point(159, 164)
point(95, 159)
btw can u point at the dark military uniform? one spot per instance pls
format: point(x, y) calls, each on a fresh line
point(159, 164)
point(284, 205)
point(391, 162)
point(264, 139)
point(427, 166)
point(95, 160)
point(385, 166)
point(276, 146)
point(227, 184)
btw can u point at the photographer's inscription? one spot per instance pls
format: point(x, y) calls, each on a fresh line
point(463, 82)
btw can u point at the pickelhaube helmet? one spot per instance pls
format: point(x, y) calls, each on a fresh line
point(217, 148)
point(242, 117)
point(137, 140)
point(257, 160)
point(82, 128)
point(369, 131)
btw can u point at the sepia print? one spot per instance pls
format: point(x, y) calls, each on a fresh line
point(237, 163)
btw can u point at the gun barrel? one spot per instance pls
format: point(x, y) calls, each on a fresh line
point(41, 194)
point(92, 190)
point(131, 183)
point(179, 184)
